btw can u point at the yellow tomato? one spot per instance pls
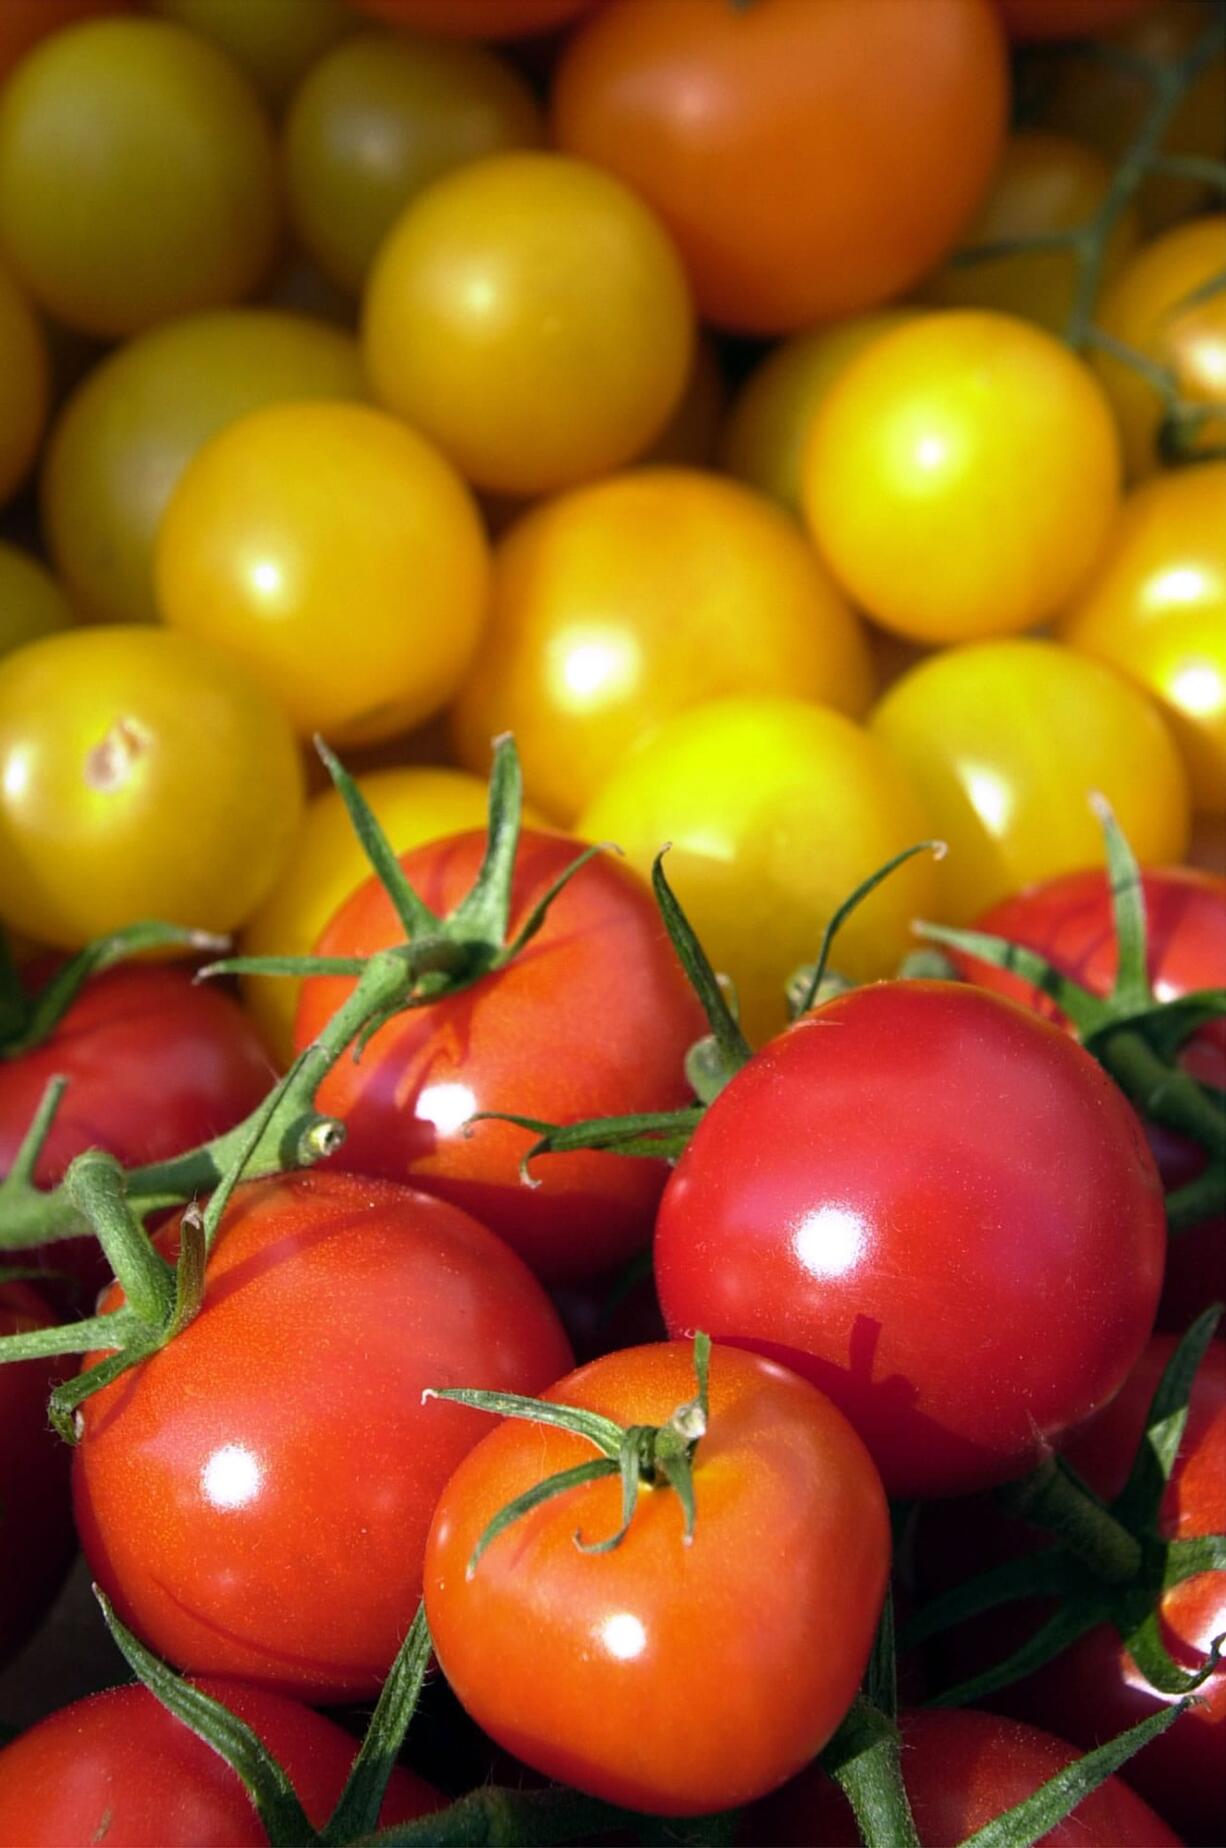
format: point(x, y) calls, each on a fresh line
point(1156, 609)
point(530, 315)
point(125, 437)
point(961, 476)
point(24, 385)
point(31, 602)
point(274, 41)
point(1044, 183)
point(1157, 308)
point(617, 605)
point(776, 809)
point(327, 863)
point(338, 556)
point(141, 776)
point(764, 438)
point(1006, 742)
point(138, 176)
point(376, 121)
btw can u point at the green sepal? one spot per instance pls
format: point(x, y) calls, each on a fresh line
point(603, 1432)
point(627, 1466)
point(843, 911)
point(733, 1047)
point(541, 1492)
point(486, 910)
point(863, 1759)
point(492, 1817)
point(1139, 1502)
point(416, 918)
point(357, 1810)
point(21, 1169)
point(1150, 1654)
point(1186, 1558)
point(1046, 1574)
point(1087, 1012)
point(1061, 1630)
point(659, 1135)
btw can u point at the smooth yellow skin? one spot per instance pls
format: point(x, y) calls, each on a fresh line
point(379, 118)
point(763, 441)
point(274, 41)
point(776, 810)
point(961, 476)
point(141, 776)
point(1045, 182)
point(24, 385)
point(689, 438)
point(31, 602)
point(620, 604)
point(530, 315)
point(1147, 309)
point(338, 556)
point(1156, 610)
point(124, 438)
point(138, 176)
point(327, 863)
point(1006, 742)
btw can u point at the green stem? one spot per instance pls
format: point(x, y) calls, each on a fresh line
point(863, 1759)
point(1161, 1091)
point(1201, 1199)
point(1054, 1498)
point(95, 1183)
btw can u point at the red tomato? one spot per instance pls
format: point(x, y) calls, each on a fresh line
point(672, 1678)
point(962, 1769)
point(937, 1208)
point(118, 1768)
point(1069, 921)
point(36, 1537)
point(255, 1498)
point(593, 1019)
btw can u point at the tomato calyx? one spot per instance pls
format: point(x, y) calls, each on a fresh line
point(655, 1455)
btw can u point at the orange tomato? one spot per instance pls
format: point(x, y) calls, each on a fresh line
point(1028, 20)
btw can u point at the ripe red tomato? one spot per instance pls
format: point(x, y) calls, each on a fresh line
point(119, 1768)
point(255, 1497)
point(593, 1019)
point(36, 1537)
point(672, 1678)
point(937, 1208)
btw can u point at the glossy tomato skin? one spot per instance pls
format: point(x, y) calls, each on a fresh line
point(255, 1498)
point(671, 1678)
point(118, 1767)
point(36, 1538)
point(594, 1018)
point(902, 1194)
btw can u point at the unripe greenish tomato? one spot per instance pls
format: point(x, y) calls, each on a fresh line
point(31, 602)
point(274, 41)
point(24, 384)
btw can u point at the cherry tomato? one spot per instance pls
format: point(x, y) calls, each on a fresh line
point(296, 517)
point(621, 604)
point(24, 22)
point(275, 45)
point(125, 437)
point(1005, 742)
point(376, 121)
point(811, 161)
point(531, 316)
point(1028, 20)
point(255, 1497)
point(1012, 1210)
point(137, 176)
point(688, 439)
point(24, 385)
point(758, 860)
point(593, 1019)
point(672, 1678)
point(1154, 308)
point(119, 1768)
point(36, 1538)
point(31, 602)
point(475, 18)
point(1156, 610)
point(141, 775)
point(962, 1769)
point(961, 476)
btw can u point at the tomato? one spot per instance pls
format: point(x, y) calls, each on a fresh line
point(376, 121)
point(31, 602)
point(137, 176)
point(25, 385)
point(119, 1768)
point(274, 45)
point(1153, 308)
point(811, 161)
point(962, 1769)
point(1156, 610)
point(961, 476)
point(1045, 183)
point(1005, 742)
point(672, 1678)
point(688, 439)
point(1027, 20)
point(36, 1538)
point(141, 775)
point(295, 517)
point(24, 22)
point(758, 861)
point(619, 605)
point(593, 1019)
point(123, 440)
point(1012, 1210)
point(529, 315)
point(764, 437)
point(475, 18)
point(215, 1485)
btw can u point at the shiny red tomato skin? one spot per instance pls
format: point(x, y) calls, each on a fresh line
point(936, 1207)
point(117, 1767)
point(255, 1498)
point(37, 1542)
point(593, 1019)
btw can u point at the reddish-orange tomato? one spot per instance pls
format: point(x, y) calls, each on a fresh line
point(1029, 20)
point(810, 160)
point(24, 22)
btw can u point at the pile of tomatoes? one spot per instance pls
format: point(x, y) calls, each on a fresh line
point(800, 427)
